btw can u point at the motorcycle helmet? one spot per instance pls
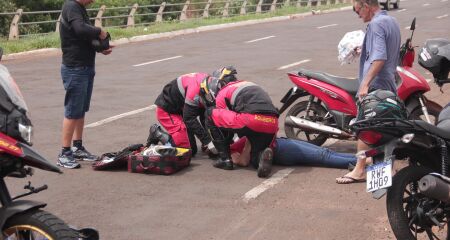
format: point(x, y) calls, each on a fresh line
point(209, 88)
point(211, 85)
point(381, 104)
point(101, 45)
point(225, 74)
point(435, 57)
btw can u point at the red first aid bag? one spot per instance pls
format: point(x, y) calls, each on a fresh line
point(159, 160)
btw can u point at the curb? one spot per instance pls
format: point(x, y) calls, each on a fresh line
point(172, 34)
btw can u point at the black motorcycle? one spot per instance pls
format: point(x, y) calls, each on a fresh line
point(25, 219)
point(418, 195)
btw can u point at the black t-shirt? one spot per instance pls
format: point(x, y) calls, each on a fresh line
point(76, 33)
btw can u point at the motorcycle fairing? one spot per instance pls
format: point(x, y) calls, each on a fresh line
point(407, 88)
point(334, 97)
point(32, 158)
point(9, 145)
point(290, 97)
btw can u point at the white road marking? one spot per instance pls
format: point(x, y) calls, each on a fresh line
point(259, 39)
point(113, 118)
point(426, 4)
point(331, 25)
point(402, 10)
point(442, 16)
point(267, 184)
point(428, 79)
point(160, 60)
point(294, 64)
point(408, 27)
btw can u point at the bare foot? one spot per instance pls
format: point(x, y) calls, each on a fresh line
point(351, 177)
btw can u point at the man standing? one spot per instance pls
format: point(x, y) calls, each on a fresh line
point(379, 59)
point(77, 72)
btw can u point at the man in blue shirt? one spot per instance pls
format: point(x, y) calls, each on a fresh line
point(379, 58)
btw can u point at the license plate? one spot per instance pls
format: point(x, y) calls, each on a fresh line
point(379, 176)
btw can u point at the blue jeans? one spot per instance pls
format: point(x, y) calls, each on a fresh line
point(78, 83)
point(290, 152)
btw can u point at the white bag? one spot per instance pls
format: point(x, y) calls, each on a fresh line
point(349, 47)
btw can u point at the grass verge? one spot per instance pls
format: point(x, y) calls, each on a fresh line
point(52, 40)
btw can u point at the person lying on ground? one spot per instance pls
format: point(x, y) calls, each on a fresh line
point(293, 152)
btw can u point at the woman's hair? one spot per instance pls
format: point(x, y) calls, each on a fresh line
point(369, 2)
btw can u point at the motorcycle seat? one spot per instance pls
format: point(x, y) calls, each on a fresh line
point(440, 132)
point(350, 85)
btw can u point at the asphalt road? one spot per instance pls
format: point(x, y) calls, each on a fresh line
point(202, 202)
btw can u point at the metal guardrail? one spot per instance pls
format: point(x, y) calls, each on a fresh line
point(182, 11)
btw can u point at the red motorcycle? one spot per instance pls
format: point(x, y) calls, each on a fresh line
point(24, 219)
point(331, 103)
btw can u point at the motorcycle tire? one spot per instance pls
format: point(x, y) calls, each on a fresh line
point(38, 224)
point(400, 207)
point(319, 114)
point(433, 110)
point(387, 7)
point(397, 4)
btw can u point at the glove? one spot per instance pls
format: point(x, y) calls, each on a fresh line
point(211, 150)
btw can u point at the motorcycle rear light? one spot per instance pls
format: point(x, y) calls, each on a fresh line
point(369, 137)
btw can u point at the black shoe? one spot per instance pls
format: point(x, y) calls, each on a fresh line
point(156, 135)
point(153, 135)
point(226, 164)
point(265, 163)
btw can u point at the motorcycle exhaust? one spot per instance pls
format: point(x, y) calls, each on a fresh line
point(434, 186)
point(306, 124)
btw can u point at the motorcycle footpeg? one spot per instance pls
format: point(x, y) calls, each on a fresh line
point(87, 233)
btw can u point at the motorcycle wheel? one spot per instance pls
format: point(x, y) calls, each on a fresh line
point(433, 112)
point(397, 4)
point(405, 206)
point(37, 224)
point(316, 114)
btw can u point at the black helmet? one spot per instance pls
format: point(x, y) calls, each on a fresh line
point(435, 57)
point(381, 104)
point(225, 74)
point(211, 85)
point(101, 45)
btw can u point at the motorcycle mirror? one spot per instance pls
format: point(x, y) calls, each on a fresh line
point(1, 53)
point(413, 25)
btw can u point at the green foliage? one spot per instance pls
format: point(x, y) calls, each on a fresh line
point(52, 40)
point(5, 20)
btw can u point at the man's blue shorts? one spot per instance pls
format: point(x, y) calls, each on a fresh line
point(78, 83)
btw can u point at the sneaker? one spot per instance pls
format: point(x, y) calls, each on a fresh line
point(265, 163)
point(83, 154)
point(67, 161)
